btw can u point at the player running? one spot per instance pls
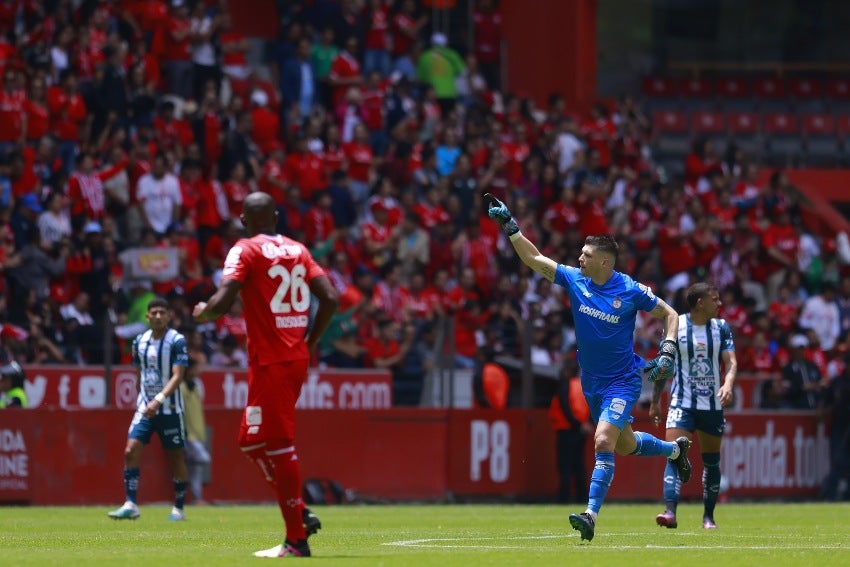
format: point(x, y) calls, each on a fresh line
point(697, 396)
point(275, 276)
point(604, 305)
point(160, 356)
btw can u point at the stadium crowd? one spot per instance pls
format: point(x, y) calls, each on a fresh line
point(127, 124)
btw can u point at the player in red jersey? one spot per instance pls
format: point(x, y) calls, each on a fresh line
point(276, 276)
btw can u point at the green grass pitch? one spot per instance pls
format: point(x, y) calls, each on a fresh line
point(440, 535)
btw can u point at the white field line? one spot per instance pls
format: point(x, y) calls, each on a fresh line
point(457, 543)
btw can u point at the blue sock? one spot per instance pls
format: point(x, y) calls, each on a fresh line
point(131, 483)
point(600, 480)
point(710, 482)
point(672, 486)
point(650, 446)
point(180, 493)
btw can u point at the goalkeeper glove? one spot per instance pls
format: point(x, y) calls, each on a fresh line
point(499, 212)
point(661, 367)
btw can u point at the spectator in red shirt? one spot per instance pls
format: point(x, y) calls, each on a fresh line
point(178, 50)
point(13, 117)
point(385, 350)
point(305, 170)
point(376, 55)
point(406, 28)
point(319, 224)
point(487, 26)
point(779, 252)
point(172, 134)
point(68, 114)
point(361, 164)
point(345, 72)
point(37, 114)
point(266, 123)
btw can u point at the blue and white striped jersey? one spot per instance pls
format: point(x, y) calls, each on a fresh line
point(698, 369)
point(154, 359)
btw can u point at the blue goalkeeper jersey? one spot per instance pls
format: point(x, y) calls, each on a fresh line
point(605, 320)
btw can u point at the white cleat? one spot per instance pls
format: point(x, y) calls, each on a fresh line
point(127, 511)
point(176, 515)
point(273, 552)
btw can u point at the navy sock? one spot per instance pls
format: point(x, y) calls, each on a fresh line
point(131, 483)
point(600, 480)
point(180, 493)
point(650, 446)
point(672, 486)
point(710, 482)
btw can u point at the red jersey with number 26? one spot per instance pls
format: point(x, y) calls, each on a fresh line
point(275, 272)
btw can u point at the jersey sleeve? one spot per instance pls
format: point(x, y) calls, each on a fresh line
point(179, 352)
point(566, 275)
point(645, 300)
point(235, 265)
point(137, 362)
point(726, 340)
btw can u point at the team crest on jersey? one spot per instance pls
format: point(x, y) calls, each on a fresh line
point(617, 303)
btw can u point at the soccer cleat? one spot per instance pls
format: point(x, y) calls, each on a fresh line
point(708, 523)
point(666, 519)
point(584, 523)
point(176, 515)
point(287, 549)
point(683, 465)
point(312, 524)
point(127, 511)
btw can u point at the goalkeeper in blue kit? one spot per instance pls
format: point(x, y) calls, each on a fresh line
point(604, 303)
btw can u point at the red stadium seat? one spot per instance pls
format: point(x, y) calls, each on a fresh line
point(838, 89)
point(805, 89)
point(769, 88)
point(819, 124)
point(659, 87)
point(732, 87)
point(843, 124)
point(783, 123)
point(695, 88)
point(708, 122)
point(743, 122)
point(670, 121)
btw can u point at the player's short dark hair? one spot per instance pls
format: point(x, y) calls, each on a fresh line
point(157, 302)
point(604, 243)
point(697, 291)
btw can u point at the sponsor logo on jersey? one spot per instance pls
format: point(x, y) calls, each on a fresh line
point(587, 293)
point(598, 314)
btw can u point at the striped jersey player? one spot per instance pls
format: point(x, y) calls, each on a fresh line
point(702, 386)
point(161, 358)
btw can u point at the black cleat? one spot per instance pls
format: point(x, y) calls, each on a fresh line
point(584, 523)
point(683, 465)
point(312, 524)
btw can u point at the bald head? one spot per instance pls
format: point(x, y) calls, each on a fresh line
point(259, 213)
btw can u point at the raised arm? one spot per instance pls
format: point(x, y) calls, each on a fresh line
point(670, 318)
point(525, 249)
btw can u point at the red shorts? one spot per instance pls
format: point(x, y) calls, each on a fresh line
point(273, 391)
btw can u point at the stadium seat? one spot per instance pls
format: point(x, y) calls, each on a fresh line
point(744, 130)
point(734, 94)
point(697, 94)
point(710, 124)
point(807, 94)
point(820, 135)
point(784, 140)
point(660, 93)
point(674, 139)
point(838, 94)
point(771, 95)
point(843, 128)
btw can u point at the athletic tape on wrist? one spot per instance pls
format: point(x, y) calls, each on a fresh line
point(515, 235)
point(160, 398)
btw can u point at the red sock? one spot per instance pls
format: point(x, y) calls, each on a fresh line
point(287, 472)
point(257, 455)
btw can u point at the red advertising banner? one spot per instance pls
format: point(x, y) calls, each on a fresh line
point(85, 387)
point(60, 457)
